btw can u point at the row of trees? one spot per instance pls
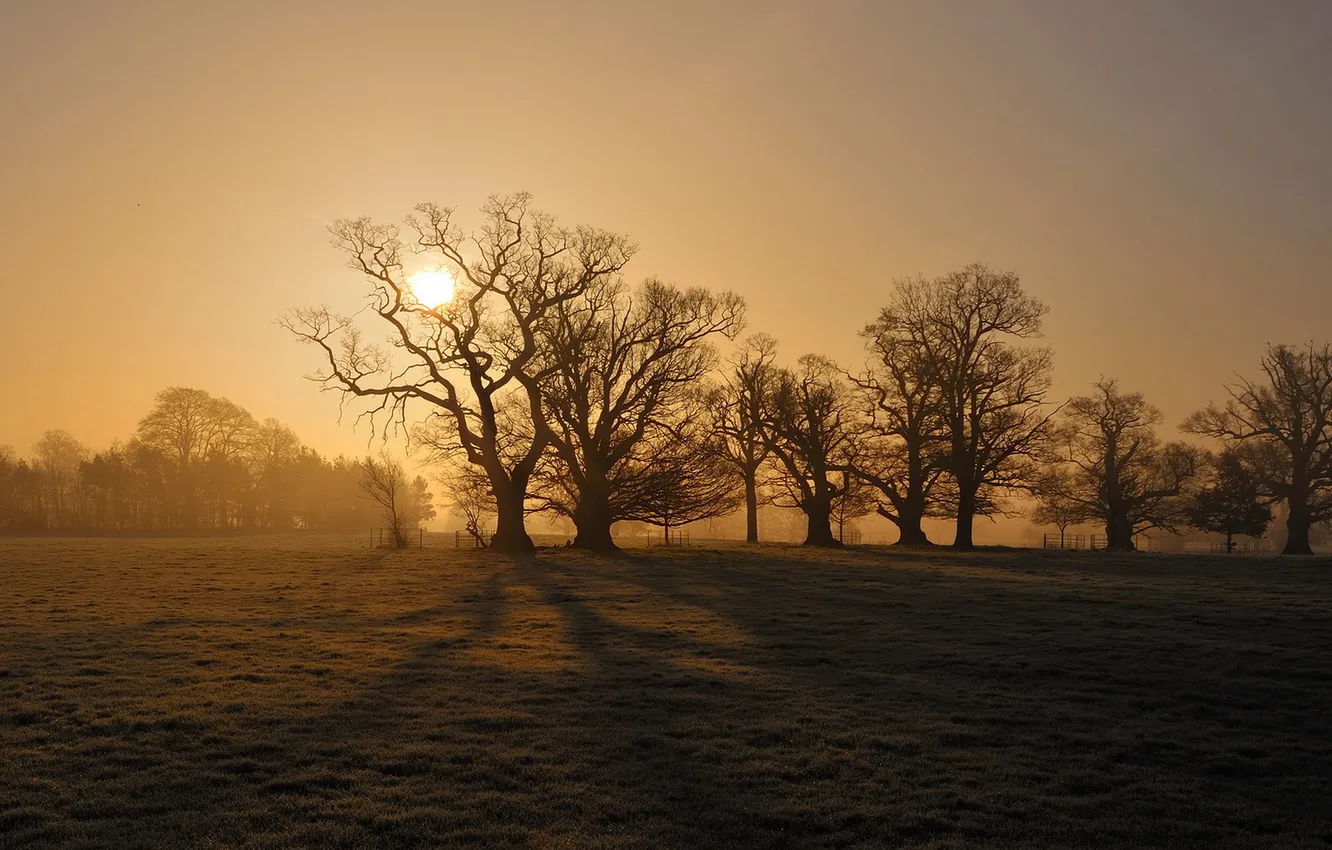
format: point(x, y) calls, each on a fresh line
point(195, 462)
point(548, 384)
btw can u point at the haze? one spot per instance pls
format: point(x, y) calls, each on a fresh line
point(1158, 173)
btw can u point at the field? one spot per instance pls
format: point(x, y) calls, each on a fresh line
point(284, 691)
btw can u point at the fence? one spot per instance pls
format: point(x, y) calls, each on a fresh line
point(381, 538)
point(1064, 541)
point(466, 540)
point(849, 537)
point(669, 537)
point(1237, 548)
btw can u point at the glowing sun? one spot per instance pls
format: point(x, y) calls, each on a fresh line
point(432, 287)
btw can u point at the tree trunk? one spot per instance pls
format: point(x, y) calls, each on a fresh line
point(1119, 534)
point(751, 509)
point(819, 514)
point(1297, 531)
point(909, 532)
point(592, 518)
point(1230, 543)
point(966, 515)
point(510, 531)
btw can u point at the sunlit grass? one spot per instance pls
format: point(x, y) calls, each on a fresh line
point(291, 691)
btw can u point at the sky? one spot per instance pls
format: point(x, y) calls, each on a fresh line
point(1159, 173)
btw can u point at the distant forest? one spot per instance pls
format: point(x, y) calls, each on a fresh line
point(195, 462)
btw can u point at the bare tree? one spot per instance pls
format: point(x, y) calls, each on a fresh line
point(857, 499)
point(626, 367)
point(199, 433)
point(736, 406)
point(464, 357)
point(180, 426)
point(59, 456)
point(1055, 506)
point(992, 393)
point(385, 483)
point(683, 477)
point(903, 444)
point(808, 426)
point(1109, 460)
point(472, 500)
point(1284, 421)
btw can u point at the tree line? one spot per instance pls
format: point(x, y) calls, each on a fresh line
point(198, 461)
point(547, 383)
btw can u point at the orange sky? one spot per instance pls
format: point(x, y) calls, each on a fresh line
point(1161, 176)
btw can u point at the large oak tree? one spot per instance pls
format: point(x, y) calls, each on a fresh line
point(1284, 422)
point(626, 369)
point(466, 358)
point(1110, 461)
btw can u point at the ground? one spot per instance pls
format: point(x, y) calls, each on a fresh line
point(287, 691)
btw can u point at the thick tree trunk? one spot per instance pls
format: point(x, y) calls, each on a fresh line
point(751, 510)
point(1119, 534)
point(592, 517)
point(1297, 531)
point(510, 529)
point(909, 532)
point(820, 533)
point(966, 516)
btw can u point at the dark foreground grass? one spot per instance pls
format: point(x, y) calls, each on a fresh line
point(283, 692)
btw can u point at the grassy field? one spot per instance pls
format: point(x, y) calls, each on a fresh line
point(279, 692)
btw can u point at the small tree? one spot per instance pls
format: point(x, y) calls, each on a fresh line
point(1055, 507)
point(685, 479)
point(857, 499)
point(1231, 503)
point(384, 482)
point(473, 501)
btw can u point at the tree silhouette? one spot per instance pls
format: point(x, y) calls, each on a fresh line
point(625, 371)
point(903, 446)
point(736, 406)
point(808, 426)
point(856, 500)
point(1284, 422)
point(1109, 459)
point(465, 358)
point(404, 503)
point(1231, 503)
point(1056, 506)
point(196, 431)
point(684, 478)
point(992, 392)
point(58, 457)
point(473, 502)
